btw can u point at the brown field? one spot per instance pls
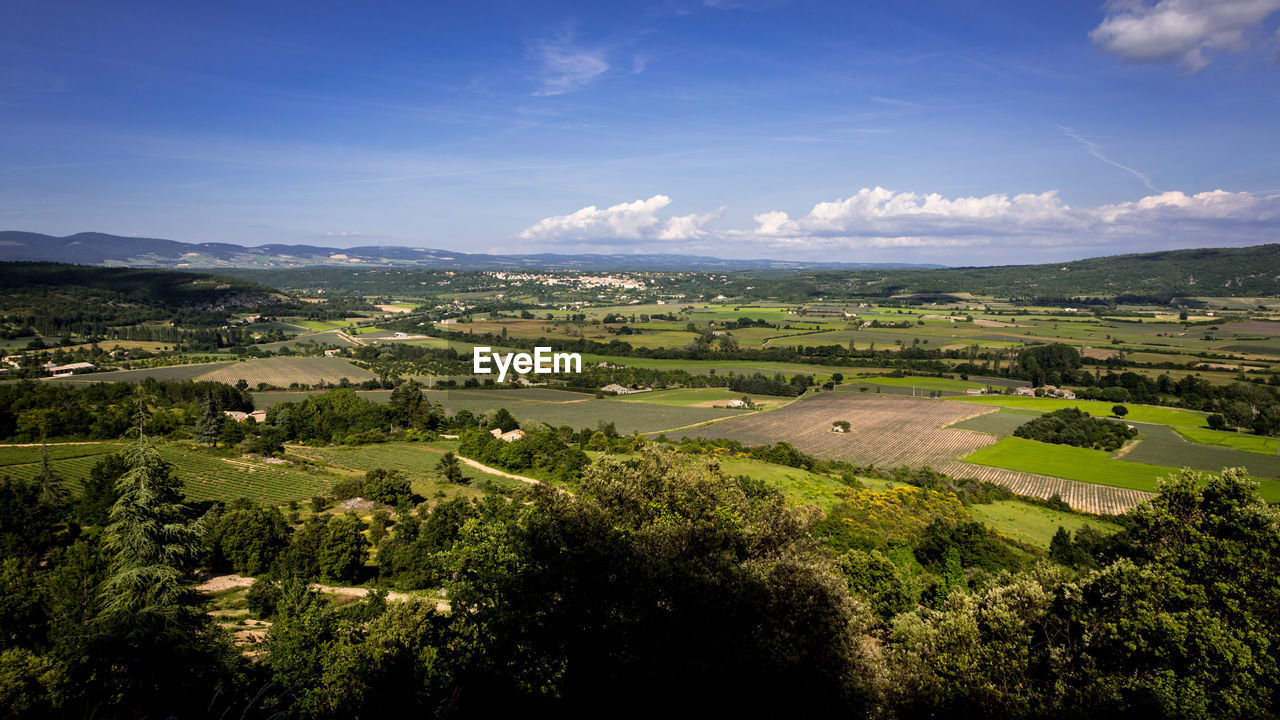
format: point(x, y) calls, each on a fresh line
point(891, 430)
point(282, 371)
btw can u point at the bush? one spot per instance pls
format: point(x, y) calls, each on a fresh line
point(1071, 426)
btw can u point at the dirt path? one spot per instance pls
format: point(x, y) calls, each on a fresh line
point(222, 583)
point(494, 471)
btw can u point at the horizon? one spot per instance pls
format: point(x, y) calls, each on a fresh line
point(929, 134)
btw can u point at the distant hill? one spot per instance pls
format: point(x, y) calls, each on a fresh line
point(115, 250)
point(56, 299)
point(1208, 272)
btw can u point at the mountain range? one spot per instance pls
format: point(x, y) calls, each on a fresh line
point(114, 250)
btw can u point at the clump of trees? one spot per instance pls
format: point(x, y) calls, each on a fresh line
point(1072, 426)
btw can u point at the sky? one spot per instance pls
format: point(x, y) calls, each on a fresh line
point(949, 131)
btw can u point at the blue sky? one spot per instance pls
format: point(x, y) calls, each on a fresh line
point(951, 132)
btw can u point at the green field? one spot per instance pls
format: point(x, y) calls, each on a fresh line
point(417, 460)
point(1072, 463)
point(1032, 523)
point(1259, 444)
point(702, 397)
point(923, 383)
point(799, 486)
point(207, 475)
point(1097, 408)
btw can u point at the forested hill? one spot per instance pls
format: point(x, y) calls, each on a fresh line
point(1209, 272)
point(49, 290)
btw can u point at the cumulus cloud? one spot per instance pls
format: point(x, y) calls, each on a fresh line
point(1180, 31)
point(878, 218)
point(624, 222)
point(565, 67)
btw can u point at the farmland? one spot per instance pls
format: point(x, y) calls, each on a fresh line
point(888, 431)
point(208, 475)
point(1065, 461)
point(168, 373)
point(417, 460)
point(1259, 444)
point(1097, 408)
point(285, 371)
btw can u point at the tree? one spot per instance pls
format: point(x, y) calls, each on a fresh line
point(246, 538)
point(98, 492)
point(1119, 411)
point(661, 573)
point(450, 469)
point(343, 549)
point(209, 426)
point(161, 653)
point(390, 487)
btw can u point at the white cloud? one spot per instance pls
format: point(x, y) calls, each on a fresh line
point(1180, 31)
point(633, 221)
point(565, 67)
point(929, 225)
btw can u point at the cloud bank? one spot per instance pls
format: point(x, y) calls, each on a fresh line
point(622, 223)
point(1179, 31)
point(877, 218)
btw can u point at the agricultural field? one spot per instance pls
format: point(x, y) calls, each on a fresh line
point(169, 373)
point(268, 399)
point(579, 410)
point(702, 397)
point(888, 431)
point(1073, 463)
point(417, 460)
point(923, 383)
point(1137, 413)
point(208, 475)
point(1245, 442)
point(284, 371)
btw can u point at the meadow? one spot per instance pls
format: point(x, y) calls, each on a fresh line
point(1072, 463)
point(1033, 524)
point(207, 474)
point(1260, 444)
point(1137, 413)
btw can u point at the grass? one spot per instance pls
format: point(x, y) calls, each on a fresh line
point(1137, 413)
point(923, 383)
point(417, 460)
point(207, 475)
point(1033, 524)
point(1071, 463)
point(799, 486)
point(701, 397)
point(1165, 445)
point(1236, 441)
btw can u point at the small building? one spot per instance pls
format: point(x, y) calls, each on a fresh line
point(975, 391)
point(72, 369)
point(1026, 391)
point(400, 336)
point(331, 352)
point(739, 403)
point(509, 436)
point(236, 415)
point(617, 389)
point(258, 416)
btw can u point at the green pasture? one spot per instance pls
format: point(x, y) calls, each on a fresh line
point(1033, 524)
point(924, 383)
point(702, 397)
point(1259, 444)
point(1071, 463)
point(1137, 413)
